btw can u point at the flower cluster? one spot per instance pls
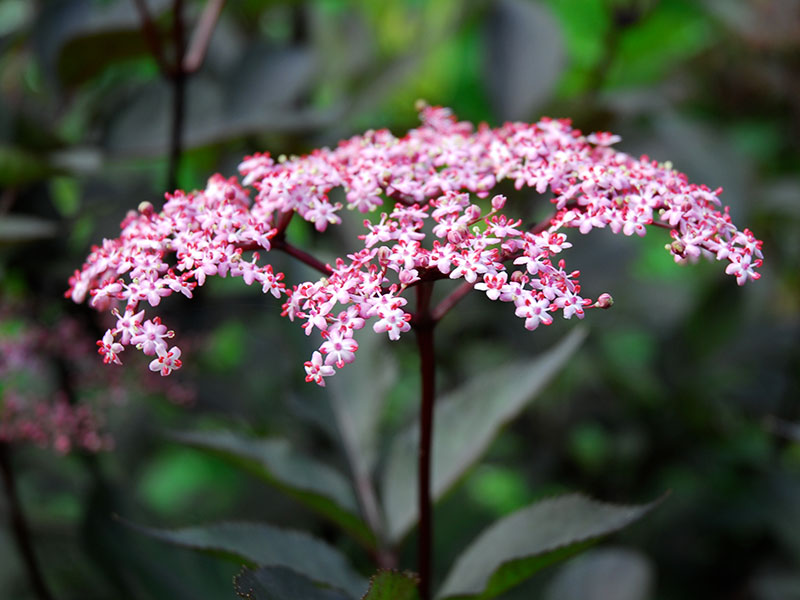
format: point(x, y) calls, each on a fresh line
point(438, 224)
point(30, 409)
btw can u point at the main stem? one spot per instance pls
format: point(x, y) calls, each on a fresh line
point(19, 526)
point(178, 80)
point(423, 327)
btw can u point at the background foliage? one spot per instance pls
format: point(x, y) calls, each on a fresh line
point(688, 384)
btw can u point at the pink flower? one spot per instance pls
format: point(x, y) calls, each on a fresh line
point(109, 349)
point(128, 324)
point(167, 360)
point(316, 370)
point(150, 338)
point(339, 348)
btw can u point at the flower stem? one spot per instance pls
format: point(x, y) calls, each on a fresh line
point(424, 323)
point(19, 526)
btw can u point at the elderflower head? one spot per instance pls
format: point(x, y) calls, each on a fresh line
point(431, 180)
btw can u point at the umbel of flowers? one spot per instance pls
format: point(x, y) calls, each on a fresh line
point(433, 225)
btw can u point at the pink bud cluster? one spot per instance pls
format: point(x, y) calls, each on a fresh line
point(438, 225)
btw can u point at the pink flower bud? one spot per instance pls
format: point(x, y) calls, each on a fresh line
point(498, 202)
point(604, 301)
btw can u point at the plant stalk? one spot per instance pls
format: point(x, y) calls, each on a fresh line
point(178, 80)
point(423, 324)
point(19, 527)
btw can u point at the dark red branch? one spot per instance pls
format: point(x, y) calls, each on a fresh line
point(201, 38)
point(301, 255)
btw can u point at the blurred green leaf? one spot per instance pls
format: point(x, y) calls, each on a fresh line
point(604, 574)
point(280, 583)
point(65, 194)
point(590, 446)
point(674, 31)
point(18, 167)
point(312, 483)
point(268, 546)
point(88, 54)
point(466, 421)
point(176, 480)
point(524, 57)
point(14, 14)
point(80, 38)
point(15, 229)
point(226, 346)
point(391, 585)
point(499, 489)
point(514, 548)
point(584, 25)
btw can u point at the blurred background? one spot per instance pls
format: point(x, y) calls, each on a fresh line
point(689, 384)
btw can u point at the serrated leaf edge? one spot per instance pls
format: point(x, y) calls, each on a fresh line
point(405, 573)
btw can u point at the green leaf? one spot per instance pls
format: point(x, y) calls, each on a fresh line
point(315, 484)
point(15, 229)
point(357, 395)
point(265, 545)
point(604, 574)
point(83, 39)
point(391, 585)
point(280, 583)
point(514, 548)
point(88, 54)
point(524, 57)
point(465, 423)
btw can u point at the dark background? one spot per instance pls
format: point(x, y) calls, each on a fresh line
point(688, 384)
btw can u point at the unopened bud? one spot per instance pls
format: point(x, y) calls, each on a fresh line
point(517, 276)
point(383, 254)
point(498, 202)
point(604, 301)
point(146, 208)
point(230, 193)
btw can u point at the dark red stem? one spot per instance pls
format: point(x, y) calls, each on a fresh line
point(178, 79)
point(152, 38)
point(423, 324)
point(301, 255)
point(19, 526)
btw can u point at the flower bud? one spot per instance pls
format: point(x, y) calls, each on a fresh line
point(146, 208)
point(383, 254)
point(604, 301)
point(498, 202)
point(517, 276)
